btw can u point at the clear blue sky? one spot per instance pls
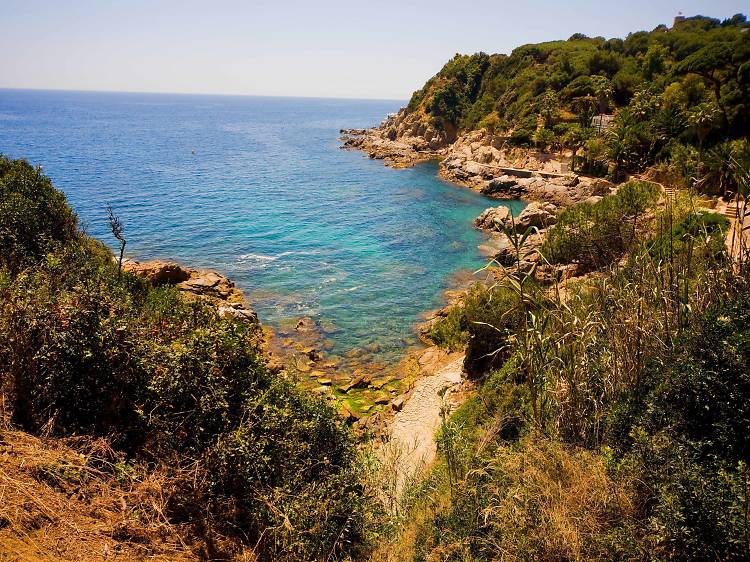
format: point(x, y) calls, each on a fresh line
point(329, 48)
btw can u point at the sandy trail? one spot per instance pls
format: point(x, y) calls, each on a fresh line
point(412, 447)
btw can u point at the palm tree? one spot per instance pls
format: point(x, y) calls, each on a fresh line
point(603, 91)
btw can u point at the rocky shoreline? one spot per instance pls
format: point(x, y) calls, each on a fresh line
point(365, 394)
point(377, 399)
point(486, 163)
point(479, 160)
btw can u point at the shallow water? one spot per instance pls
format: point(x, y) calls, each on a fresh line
point(259, 189)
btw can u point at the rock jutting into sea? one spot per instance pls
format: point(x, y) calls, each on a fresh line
point(205, 284)
point(478, 159)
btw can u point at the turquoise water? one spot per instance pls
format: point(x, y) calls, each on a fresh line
point(259, 189)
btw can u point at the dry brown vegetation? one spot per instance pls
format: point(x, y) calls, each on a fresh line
point(76, 500)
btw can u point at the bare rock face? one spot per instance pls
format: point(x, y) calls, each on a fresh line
point(401, 140)
point(539, 215)
point(238, 311)
point(157, 271)
point(209, 283)
point(478, 159)
point(494, 218)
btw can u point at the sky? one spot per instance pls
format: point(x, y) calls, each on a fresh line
point(377, 49)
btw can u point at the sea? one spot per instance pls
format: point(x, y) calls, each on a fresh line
point(259, 189)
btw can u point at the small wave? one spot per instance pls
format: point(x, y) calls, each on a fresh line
point(257, 257)
point(350, 289)
point(263, 257)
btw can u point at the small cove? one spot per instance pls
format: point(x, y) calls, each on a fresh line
point(259, 189)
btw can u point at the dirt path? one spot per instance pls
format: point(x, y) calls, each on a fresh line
point(412, 448)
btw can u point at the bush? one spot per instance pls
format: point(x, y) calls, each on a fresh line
point(492, 316)
point(502, 401)
point(450, 332)
point(34, 216)
point(521, 137)
point(83, 351)
point(595, 235)
point(689, 438)
point(700, 231)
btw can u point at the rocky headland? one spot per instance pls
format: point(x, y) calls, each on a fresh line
point(478, 159)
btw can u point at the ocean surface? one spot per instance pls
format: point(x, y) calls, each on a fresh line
point(258, 189)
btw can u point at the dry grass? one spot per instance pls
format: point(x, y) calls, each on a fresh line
point(74, 500)
point(560, 502)
point(541, 500)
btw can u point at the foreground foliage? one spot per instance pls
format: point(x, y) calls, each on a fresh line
point(83, 351)
point(612, 423)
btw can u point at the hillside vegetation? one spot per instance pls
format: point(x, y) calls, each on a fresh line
point(247, 464)
point(610, 420)
point(611, 416)
point(676, 94)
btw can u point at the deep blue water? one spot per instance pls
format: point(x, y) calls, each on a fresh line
point(259, 189)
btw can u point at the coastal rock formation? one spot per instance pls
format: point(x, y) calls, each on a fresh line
point(208, 285)
point(496, 220)
point(561, 190)
point(157, 271)
point(478, 159)
point(493, 218)
point(401, 140)
point(539, 215)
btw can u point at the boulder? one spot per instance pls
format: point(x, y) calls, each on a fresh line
point(600, 187)
point(540, 215)
point(361, 381)
point(494, 218)
point(474, 168)
point(157, 271)
point(484, 155)
point(498, 186)
point(239, 312)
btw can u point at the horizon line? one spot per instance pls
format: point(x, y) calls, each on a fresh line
point(94, 91)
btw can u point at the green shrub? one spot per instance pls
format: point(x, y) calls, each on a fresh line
point(450, 332)
point(34, 216)
point(687, 438)
point(492, 317)
point(700, 231)
point(83, 351)
point(595, 235)
point(502, 400)
point(521, 137)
